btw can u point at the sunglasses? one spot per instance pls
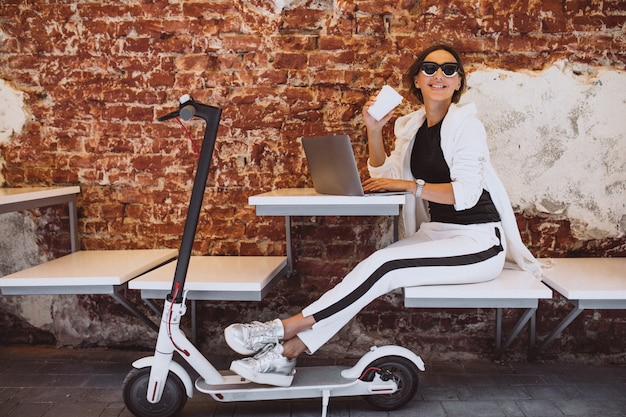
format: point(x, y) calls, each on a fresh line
point(449, 69)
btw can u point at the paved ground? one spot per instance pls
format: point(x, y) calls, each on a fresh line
point(38, 382)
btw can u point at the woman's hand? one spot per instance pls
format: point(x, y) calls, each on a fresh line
point(388, 184)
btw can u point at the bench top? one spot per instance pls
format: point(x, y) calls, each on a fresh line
point(19, 195)
point(216, 274)
point(512, 288)
point(85, 268)
point(588, 278)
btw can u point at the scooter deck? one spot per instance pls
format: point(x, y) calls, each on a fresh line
point(309, 382)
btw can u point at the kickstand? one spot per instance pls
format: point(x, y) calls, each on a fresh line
point(325, 400)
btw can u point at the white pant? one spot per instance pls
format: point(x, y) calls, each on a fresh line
point(439, 253)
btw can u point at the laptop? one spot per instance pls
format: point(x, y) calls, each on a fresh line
point(333, 167)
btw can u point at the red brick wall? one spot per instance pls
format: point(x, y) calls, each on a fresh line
point(96, 76)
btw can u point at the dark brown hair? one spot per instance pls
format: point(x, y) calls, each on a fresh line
point(417, 66)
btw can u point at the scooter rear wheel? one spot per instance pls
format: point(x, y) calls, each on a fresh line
point(403, 372)
point(135, 388)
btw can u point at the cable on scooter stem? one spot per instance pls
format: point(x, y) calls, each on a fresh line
point(189, 108)
point(169, 325)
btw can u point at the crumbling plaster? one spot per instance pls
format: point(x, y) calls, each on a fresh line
point(12, 112)
point(12, 115)
point(558, 141)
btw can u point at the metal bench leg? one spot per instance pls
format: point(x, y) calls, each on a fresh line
point(529, 314)
point(288, 245)
point(498, 330)
point(128, 306)
point(532, 332)
point(566, 322)
point(153, 307)
point(74, 239)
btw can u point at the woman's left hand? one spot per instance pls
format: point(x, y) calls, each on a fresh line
point(388, 184)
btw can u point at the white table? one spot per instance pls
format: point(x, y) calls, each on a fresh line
point(88, 272)
point(306, 202)
point(587, 283)
point(511, 289)
point(16, 199)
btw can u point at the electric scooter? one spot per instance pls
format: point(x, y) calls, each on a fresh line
point(387, 377)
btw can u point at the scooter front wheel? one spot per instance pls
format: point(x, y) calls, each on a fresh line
point(403, 372)
point(135, 389)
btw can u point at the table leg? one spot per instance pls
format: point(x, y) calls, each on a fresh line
point(73, 225)
point(396, 228)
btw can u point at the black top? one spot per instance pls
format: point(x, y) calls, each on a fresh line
point(428, 163)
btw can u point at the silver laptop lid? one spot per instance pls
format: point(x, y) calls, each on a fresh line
point(332, 165)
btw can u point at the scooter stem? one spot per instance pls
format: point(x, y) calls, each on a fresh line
point(211, 115)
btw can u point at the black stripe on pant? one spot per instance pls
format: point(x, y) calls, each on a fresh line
point(389, 266)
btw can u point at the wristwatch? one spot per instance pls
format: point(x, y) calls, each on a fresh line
point(420, 187)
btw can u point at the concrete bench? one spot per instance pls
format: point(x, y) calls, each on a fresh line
point(228, 278)
point(88, 272)
point(511, 289)
point(587, 283)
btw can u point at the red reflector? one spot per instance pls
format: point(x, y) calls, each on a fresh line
point(156, 384)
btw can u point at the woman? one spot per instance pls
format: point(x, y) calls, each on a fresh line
point(458, 221)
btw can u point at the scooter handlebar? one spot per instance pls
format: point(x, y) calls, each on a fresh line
point(168, 116)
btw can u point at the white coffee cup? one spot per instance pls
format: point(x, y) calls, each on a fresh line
point(386, 100)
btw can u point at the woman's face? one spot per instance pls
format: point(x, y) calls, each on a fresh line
point(438, 87)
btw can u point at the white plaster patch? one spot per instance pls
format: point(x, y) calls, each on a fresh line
point(12, 115)
point(19, 252)
point(279, 5)
point(558, 140)
point(18, 244)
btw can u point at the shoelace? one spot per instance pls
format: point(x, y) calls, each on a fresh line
point(258, 330)
point(264, 355)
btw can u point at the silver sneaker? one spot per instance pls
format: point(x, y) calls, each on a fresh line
point(268, 367)
point(248, 339)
